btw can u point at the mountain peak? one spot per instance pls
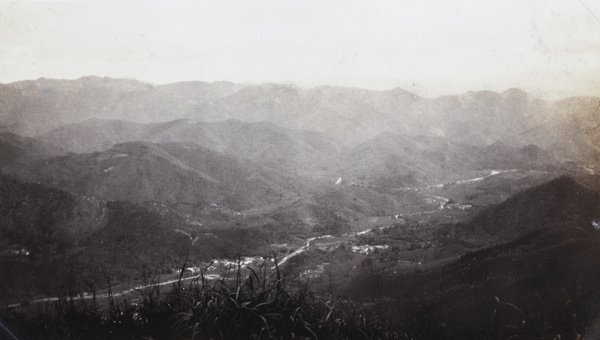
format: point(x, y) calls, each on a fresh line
point(560, 204)
point(514, 92)
point(566, 184)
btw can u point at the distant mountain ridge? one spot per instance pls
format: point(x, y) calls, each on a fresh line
point(387, 160)
point(170, 173)
point(261, 142)
point(348, 115)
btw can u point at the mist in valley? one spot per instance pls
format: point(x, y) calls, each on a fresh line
point(404, 193)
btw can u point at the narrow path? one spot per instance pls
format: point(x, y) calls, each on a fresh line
point(301, 249)
point(124, 292)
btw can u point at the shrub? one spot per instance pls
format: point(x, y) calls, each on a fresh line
point(258, 306)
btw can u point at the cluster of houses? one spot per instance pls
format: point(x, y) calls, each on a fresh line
point(458, 206)
point(17, 252)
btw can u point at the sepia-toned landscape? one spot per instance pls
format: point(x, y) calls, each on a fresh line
point(269, 210)
point(436, 212)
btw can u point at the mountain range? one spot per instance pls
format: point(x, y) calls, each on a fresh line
point(112, 177)
point(348, 116)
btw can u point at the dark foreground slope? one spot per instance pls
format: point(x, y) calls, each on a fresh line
point(535, 274)
point(53, 241)
point(39, 228)
point(559, 205)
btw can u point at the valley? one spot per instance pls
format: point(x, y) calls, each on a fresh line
point(360, 241)
point(435, 214)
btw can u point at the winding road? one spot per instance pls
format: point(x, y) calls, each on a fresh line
point(306, 246)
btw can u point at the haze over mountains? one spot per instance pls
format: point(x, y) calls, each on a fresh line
point(265, 146)
point(348, 116)
point(307, 130)
point(278, 149)
point(97, 171)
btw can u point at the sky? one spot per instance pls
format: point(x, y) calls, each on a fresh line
point(437, 47)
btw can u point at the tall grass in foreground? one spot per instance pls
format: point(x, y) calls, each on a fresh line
point(256, 306)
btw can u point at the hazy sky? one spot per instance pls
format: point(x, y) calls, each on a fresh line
point(428, 47)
